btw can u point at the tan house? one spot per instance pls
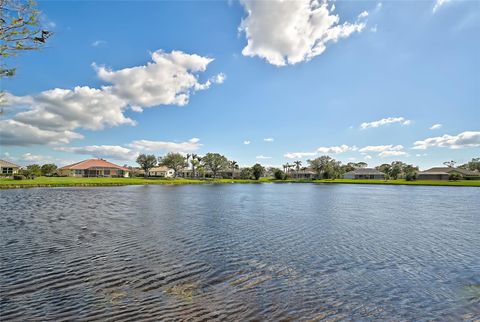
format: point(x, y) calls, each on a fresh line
point(93, 168)
point(443, 173)
point(8, 168)
point(161, 171)
point(364, 173)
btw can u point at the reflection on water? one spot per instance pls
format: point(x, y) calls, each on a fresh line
point(241, 252)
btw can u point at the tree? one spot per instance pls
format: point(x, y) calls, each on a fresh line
point(19, 31)
point(246, 173)
point(195, 164)
point(215, 162)
point(320, 164)
point(258, 170)
point(233, 166)
point(32, 171)
point(473, 165)
point(48, 169)
point(146, 162)
point(450, 164)
point(332, 170)
point(385, 168)
point(278, 174)
point(298, 164)
point(174, 161)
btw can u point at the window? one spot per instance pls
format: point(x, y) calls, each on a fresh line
point(106, 172)
point(7, 170)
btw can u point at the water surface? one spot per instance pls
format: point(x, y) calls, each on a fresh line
point(241, 252)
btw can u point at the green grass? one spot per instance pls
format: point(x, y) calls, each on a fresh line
point(69, 181)
point(463, 183)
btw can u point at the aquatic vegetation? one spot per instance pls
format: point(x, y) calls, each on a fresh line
point(185, 291)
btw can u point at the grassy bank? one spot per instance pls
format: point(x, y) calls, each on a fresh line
point(70, 182)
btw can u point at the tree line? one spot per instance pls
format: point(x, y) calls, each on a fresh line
point(211, 164)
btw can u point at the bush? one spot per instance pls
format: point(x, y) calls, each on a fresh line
point(455, 176)
point(412, 176)
point(19, 177)
point(279, 175)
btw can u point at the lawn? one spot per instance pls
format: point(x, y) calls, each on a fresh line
point(69, 181)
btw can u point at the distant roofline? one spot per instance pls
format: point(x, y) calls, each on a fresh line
point(9, 164)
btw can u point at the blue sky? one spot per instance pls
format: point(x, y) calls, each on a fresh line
point(359, 81)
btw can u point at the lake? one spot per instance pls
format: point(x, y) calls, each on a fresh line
point(241, 252)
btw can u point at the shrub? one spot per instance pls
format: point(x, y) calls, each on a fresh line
point(412, 176)
point(279, 175)
point(455, 176)
point(19, 177)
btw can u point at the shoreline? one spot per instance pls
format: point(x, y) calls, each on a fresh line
point(52, 182)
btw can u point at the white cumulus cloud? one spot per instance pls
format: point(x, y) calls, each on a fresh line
point(168, 80)
point(262, 157)
point(246, 142)
point(52, 116)
point(384, 121)
point(435, 126)
point(268, 139)
point(102, 151)
point(289, 32)
point(147, 145)
point(20, 134)
point(467, 139)
point(335, 149)
point(299, 155)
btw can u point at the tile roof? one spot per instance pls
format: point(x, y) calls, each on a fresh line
point(361, 171)
point(6, 164)
point(92, 163)
point(159, 169)
point(450, 169)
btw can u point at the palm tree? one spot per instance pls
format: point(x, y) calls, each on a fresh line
point(288, 167)
point(233, 166)
point(297, 166)
point(196, 161)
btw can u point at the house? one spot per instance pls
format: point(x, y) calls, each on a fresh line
point(93, 168)
point(8, 168)
point(161, 171)
point(443, 173)
point(364, 173)
point(304, 174)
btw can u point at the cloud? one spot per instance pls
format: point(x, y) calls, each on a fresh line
point(335, 149)
point(384, 121)
point(99, 43)
point(299, 155)
point(391, 153)
point(323, 150)
point(268, 139)
point(467, 139)
point(246, 142)
point(262, 157)
point(381, 148)
point(20, 134)
point(168, 80)
point(130, 151)
point(438, 4)
point(146, 145)
point(384, 150)
point(53, 115)
point(367, 157)
point(289, 32)
point(435, 126)
point(34, 158)
point(102, 151)
point(82, 107)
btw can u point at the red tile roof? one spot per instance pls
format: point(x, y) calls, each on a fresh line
point(92, 163)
